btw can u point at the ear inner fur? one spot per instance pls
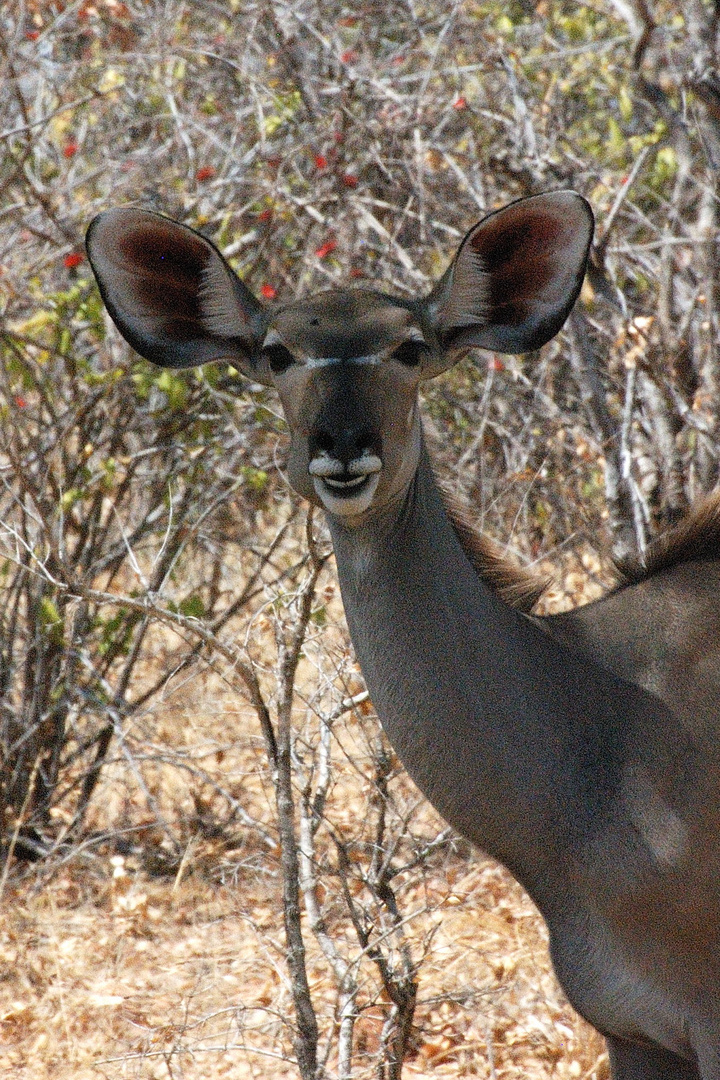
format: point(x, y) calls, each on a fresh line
point(516, 275)
point(171, 293)
point(221, 312)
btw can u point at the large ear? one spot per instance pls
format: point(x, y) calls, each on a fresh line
point(515, 277)
point(171, 294)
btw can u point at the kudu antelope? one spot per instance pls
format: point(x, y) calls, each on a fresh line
point(581, 750)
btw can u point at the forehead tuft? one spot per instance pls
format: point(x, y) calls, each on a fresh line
point(343, 323)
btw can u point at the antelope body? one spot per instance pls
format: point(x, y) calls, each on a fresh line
point(581, 750)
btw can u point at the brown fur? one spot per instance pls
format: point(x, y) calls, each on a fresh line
point(695, 538)
point(519, 588)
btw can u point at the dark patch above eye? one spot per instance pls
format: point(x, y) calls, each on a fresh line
point(409, 353)
point(279, 358)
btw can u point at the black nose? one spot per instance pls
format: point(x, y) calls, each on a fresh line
point(345, 443)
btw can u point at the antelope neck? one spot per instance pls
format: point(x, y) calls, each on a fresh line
point(484, 709)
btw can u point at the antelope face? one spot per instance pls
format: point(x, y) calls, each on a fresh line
point(346, 363)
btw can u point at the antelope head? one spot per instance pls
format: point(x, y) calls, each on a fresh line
point(346, 363)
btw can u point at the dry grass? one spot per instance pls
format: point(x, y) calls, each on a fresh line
point(114, 973)
point(133, 965)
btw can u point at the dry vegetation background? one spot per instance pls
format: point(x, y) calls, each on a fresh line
point(191, 775)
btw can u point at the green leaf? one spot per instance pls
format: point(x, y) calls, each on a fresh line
point(192, 607)
point(50, 620)
point(256, 479)
point(70, 497)
point(175, 388)
point(625, 104)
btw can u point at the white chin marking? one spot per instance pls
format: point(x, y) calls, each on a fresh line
point(346, 505)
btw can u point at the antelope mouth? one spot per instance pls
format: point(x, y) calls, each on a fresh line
point(338, 483)
point(345, 489)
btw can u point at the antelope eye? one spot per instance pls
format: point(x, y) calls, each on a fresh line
point(279, 358)
point(409, 353)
